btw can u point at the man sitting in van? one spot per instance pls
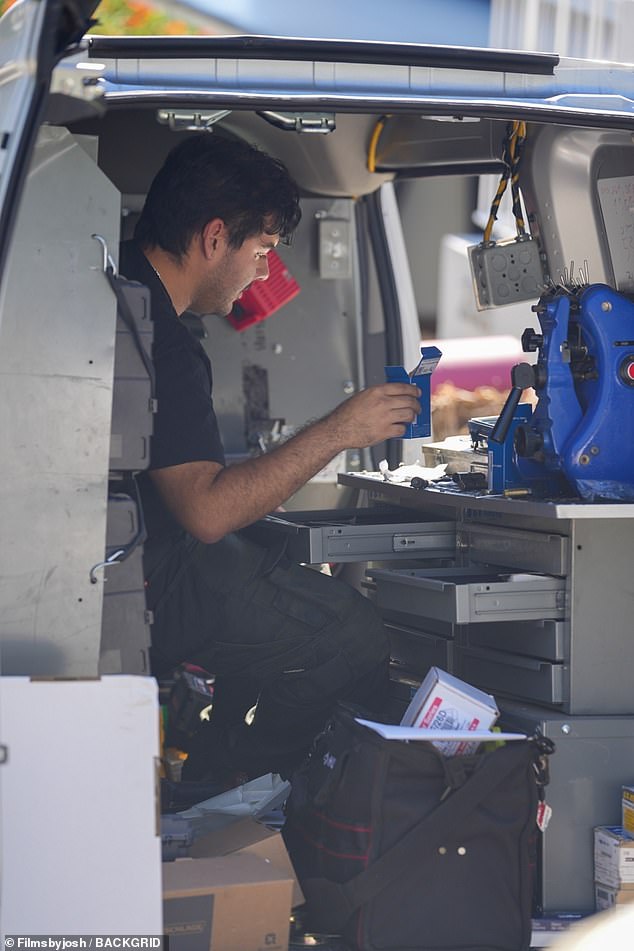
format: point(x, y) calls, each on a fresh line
point(279, 637)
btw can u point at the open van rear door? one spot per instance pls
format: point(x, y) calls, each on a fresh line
point(34, 37)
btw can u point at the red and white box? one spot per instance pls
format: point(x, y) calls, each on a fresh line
point(443, 702)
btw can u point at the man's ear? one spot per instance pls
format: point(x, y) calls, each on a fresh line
point(213, 235)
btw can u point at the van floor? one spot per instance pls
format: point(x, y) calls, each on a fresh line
point(333, 943)
point(318, 942)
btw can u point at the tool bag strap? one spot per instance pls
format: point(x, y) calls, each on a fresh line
point(430, 833)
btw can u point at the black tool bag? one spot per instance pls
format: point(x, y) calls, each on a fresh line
point(397, 847)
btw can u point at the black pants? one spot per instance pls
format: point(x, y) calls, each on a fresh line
point(274, 633)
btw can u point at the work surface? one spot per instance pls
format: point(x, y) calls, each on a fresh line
point(480, 502)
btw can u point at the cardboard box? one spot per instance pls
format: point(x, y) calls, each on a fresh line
point(247, 836)
point(627, 809)
point(607, 897)
point(443, 702)
point(613, 857)
point(235, 902)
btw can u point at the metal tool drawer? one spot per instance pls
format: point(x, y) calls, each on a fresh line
point(468, 595)
point(338, 535)
point(516, 549)
point(547, 639)
point(125, 629)
point(526, 678)
point(419, 650)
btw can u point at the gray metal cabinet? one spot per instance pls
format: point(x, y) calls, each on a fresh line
point(567, 643)
point(594, 757)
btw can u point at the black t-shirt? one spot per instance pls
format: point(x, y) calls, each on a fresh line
point(185, 426)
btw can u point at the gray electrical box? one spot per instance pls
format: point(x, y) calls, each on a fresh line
point(506, 272)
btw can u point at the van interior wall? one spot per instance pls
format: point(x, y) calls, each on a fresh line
point(565, 173)
point(430, 209)
point(56, 370)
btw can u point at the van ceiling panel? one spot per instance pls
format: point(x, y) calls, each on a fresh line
point(425, 142)
point(133, 145)
point(333, 164)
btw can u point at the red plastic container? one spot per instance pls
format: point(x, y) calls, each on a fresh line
point(264, 298)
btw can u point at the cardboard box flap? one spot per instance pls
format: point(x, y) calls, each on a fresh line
point(197, 876)
point(248, 836)
point(239, 835)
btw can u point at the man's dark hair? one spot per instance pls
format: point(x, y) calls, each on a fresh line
point(208, 176)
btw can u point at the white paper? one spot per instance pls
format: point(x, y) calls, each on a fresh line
point(390, 732)
point(407, 473)
point(251, 799)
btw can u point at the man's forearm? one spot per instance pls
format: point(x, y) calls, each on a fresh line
point(246, 491)
point(209, 500)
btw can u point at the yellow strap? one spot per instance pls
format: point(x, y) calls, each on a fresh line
point(374, 141)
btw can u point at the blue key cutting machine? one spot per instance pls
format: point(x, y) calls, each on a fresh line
point(578, 441)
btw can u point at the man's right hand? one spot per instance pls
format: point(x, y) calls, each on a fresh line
point(373, 415)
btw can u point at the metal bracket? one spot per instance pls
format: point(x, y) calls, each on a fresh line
point(78, 79)
point(335, 251)
point(301, 121)
point(191, 121)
